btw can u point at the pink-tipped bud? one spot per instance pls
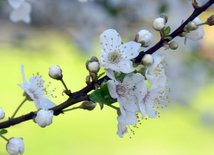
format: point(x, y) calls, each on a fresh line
point(210, 20)
point(147, 59)
point(144, 37)
point(88, 105)
point(173, 45)
point(55, 72)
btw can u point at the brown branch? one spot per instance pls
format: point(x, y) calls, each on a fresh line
point(82, 94)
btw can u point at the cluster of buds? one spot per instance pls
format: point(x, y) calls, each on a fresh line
point(93, 66)
point(160, 22)
point(173, 45)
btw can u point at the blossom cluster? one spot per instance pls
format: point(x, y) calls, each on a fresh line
point(133, 93)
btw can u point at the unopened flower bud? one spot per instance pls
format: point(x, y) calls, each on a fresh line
point(144, 37)
point(196, 34)
point(147, 59)
point(159, 24)
point(142, 70)
point(88, 105)
point(93, 66)
point(94, 58)
point(191, 26)
point(165, 17)
point(173, 45)
point(15, 146)
point(44, 117)
point(2, 114)
point(87, 80)
point(210, 20)
point(55, 72)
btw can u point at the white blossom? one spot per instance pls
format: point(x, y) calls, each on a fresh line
point(159, 23)
point(35, 90)
point(21, 13)
point(156, 69)
point(15, 3)
point(2, 114)
point(153, 96)
point(15, 146)
point(55, 72)
point(115, 55)
point(126, 95)
point(198, 33)
point(144, 37)
point(44, 117)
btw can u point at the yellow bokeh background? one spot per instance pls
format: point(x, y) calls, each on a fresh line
point(177, 131)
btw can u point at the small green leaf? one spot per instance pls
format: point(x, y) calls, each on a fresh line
point(102, 96)
point(166, 30)
point(170, 38)
point(3, 131)
point(119, 76)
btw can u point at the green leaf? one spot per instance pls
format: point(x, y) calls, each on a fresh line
point(119, 76)
point(3, 131)
point(170, 38)
point(166, 30)
point(102, 96)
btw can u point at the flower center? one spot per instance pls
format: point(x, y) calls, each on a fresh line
point(114, 57)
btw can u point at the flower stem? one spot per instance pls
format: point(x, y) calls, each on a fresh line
point(71, 109)
point(4, 137)
point(64, 84)
point(18, 108)
point(116, 108)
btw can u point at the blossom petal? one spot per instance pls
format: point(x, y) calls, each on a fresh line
point(126, 66)
point(46, 103)
point(110, 74)
point(112, 89)
point(110, 39)
point(122, 129)
point(151, 112)
point(15, 3)
point(129, 119)
point(130, 49)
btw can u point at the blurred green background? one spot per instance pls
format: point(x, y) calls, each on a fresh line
point(181, 129)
